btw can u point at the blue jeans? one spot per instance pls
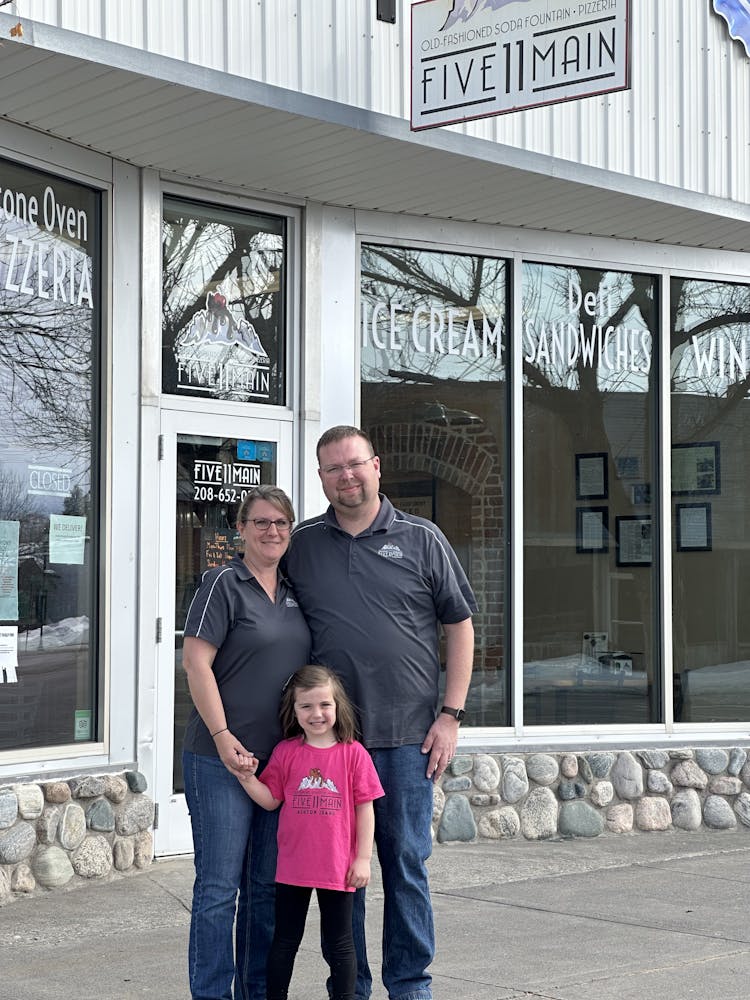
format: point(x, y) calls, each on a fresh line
point(403, 839)
point(234, 841)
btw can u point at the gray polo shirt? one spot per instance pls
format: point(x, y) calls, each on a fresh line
point(373, 603)
point(259, 644)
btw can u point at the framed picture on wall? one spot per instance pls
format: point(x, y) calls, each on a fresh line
point(634, 540)
point(693, 527)
point(696, 469)
point(592, 529)
point(591, 476)
point(641, 494)
point(627, 466)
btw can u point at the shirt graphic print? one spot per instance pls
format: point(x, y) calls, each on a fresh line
point(319, 788)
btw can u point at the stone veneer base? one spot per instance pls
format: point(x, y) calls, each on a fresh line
point(486, 796)
point(54, 834)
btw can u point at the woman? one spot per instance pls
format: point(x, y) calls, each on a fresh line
point(244, 636)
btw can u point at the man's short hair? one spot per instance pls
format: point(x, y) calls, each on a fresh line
point(339, 433)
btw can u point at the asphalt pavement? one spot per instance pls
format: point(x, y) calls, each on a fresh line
point(616, 918)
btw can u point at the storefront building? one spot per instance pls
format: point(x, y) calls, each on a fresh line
point(213, 246)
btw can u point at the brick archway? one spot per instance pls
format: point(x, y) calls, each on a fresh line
point(465, 456)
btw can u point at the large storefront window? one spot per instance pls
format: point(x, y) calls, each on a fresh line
point(590, 482)
point(223, 303)
point(50, 279)
point(710, 375)
point(434, 402)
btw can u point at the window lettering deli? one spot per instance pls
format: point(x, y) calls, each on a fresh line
point(586, 342)
point(37, 258)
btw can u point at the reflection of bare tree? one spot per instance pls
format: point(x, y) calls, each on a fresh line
point(602, 409)
point(417, 279)
point(78, 503)
point(15, 502)
point(419, 275)
point(701, 310)
point(545, 295)
point(45, 374)
point(710, 337)
point(200, 253)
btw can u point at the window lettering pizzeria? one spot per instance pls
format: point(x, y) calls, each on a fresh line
point(50, 301)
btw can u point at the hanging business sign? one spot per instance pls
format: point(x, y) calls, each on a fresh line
point(477, 58)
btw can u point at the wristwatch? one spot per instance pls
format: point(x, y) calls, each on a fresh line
point(457, 713)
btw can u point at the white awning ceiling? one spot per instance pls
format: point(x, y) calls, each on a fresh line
point(198, 123)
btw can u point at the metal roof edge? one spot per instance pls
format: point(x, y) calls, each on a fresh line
point(167, 69)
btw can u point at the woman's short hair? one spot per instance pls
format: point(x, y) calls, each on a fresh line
point(273, 495)
point(340, 433)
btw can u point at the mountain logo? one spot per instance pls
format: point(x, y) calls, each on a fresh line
point(390, 551)
point(463, 10)
point(220, 353)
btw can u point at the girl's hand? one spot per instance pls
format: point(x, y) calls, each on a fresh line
point(247, 763)
point(358, 875)
point(231, 751)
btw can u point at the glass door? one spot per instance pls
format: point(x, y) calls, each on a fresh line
point(209, 464)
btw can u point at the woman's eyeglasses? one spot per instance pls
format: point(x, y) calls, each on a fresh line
point(264, 523)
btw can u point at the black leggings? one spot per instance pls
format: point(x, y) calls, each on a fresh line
point(292, 902)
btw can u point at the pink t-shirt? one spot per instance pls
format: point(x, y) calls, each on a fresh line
point(319, 789)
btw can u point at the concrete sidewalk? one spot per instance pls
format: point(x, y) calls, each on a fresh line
point(617, 918)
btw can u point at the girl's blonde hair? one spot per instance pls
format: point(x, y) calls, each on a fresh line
point(311, 676)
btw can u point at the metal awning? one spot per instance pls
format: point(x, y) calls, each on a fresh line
point(153, 111)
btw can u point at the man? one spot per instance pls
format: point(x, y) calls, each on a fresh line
point(375, 584)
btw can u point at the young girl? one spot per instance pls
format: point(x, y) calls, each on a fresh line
point(326, 782)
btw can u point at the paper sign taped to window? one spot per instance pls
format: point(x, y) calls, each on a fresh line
point(67, 539)
point(8, 653)
point(9, 570)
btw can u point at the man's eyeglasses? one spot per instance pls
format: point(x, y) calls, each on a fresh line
point(264, 523)
point(337, 470)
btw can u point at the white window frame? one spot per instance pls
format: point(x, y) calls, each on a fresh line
point(518, 246)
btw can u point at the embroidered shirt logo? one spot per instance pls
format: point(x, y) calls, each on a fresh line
point(291, 603)
point(390, 551)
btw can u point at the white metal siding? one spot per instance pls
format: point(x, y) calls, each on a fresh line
point(685, 122)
